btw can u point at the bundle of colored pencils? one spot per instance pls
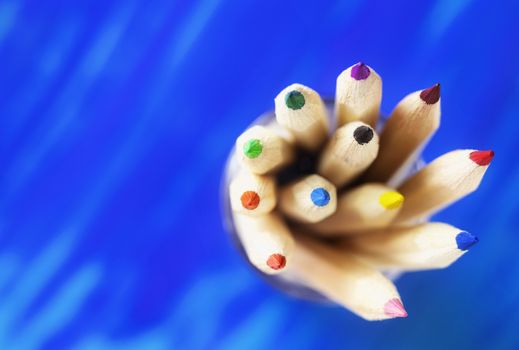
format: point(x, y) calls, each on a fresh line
point(334, 207)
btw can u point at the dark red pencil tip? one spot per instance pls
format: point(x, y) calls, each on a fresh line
point(431, 95)
point(360, 71)
point(482, 157)
point(276, 261)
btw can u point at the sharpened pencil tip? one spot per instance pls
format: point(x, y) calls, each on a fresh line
point(482, 157)
point(294, 100)
point(394, 308)
point(360, 71)
point(363, 134)
point(431, 95)
point(320, 197)
point(276, 261)
point(252, 148)
point(250, 200)
point(391, 200)
point(465, 240)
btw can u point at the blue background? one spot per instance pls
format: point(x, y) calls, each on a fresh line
point(116, 118)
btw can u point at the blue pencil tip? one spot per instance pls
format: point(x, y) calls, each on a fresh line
point(320, 197)
point(465, 240)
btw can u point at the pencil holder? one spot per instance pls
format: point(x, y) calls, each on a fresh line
point(282, 282)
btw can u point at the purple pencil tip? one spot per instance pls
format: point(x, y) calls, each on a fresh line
point(360, 71)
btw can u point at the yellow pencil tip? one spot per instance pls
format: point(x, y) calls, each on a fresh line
point(391, 200)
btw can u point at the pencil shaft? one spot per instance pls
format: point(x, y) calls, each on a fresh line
point(309, 199)
point(301, 110)
point(266, 240)
point(344, 279)
point(407, 131)
point(252, 194)
point(426, 246)
point(352, 148)
point(262, 150)
point(442, 182)
point(367, 207)
point(358, 95)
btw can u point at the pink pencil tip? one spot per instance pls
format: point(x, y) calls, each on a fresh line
point(482, 157)
point(394, 308)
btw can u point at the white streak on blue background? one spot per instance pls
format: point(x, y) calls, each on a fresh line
point(34, 279)
point(9, 266)
point(258, 330)
point(8, 11)
point(190, 326)
point(442, 15)
point(68, 105)
point(59, 310)
point(53, 57)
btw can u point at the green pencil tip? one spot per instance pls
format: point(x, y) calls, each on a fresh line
point(252, 148)
point(295, 100)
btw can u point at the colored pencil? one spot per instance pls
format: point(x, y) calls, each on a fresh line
point(262, 151)
point(427, 246)
point(266, 240)
point(358, 95)
point(444, 181)
point(301, 110)
point(363, 208)
point(352, 148)
point(411, 124)
point(346, 280)
point(310, 199)
point(252, 194)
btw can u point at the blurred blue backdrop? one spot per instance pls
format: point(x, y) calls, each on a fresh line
point(116, 118)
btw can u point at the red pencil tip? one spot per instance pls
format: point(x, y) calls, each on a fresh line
point(250, 200)
point(431, 95)
point(482, 157)
point(394, 308)
point(276, 261)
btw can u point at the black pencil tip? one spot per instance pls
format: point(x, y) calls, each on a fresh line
point(363, 134)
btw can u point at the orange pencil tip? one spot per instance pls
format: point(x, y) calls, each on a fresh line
point(276, 261)
point(250, 200)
